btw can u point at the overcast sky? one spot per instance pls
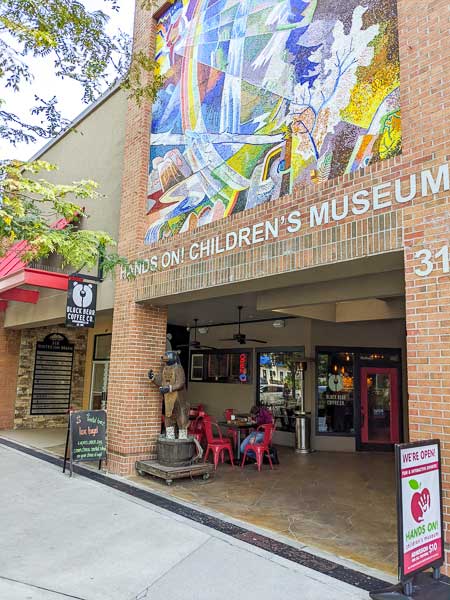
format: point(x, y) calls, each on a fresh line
point(46, 85)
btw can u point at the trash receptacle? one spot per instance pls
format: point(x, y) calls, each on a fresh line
point(303, 432)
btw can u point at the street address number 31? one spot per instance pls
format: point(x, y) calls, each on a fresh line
point(429, 261)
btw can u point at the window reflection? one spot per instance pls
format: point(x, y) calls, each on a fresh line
point(335, 391)
point(281, 386)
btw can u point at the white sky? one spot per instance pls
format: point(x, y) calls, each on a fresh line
point(46, 84)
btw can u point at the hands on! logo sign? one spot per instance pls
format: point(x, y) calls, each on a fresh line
point(420, 502)
point(421, 542)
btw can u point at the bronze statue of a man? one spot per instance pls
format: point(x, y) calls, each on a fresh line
point(172, 384)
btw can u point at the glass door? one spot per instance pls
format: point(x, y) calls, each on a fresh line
point(380, 410)
point(99, 386)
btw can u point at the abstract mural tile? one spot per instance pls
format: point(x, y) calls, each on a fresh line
point(259, 96)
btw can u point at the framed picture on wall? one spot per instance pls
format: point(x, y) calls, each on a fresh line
point(196, 367)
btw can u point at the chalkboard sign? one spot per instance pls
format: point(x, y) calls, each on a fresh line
point(87, 436)
point(52, 379)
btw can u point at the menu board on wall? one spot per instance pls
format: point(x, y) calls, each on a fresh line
point(52, 379)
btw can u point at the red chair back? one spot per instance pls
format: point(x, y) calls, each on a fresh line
point(208, 423)
point(268, 428)
point(228, 414)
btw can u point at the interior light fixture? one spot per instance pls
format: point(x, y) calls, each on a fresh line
point(202, 330)
point(279, 323)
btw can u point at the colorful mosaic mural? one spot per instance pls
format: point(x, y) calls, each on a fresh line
point(260, 96)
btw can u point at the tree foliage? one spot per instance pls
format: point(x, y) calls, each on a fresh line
point(30, 205)
point(78, 44)
point(74, 39)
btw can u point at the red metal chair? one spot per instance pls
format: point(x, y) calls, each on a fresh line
point(259, 448)
point(231, 433)
point(216, 445)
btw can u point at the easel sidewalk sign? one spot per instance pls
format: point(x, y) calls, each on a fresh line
point(86, 437)
point(420, 523)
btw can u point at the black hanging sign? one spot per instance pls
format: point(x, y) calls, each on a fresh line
point(86, 437)
point(81, 304)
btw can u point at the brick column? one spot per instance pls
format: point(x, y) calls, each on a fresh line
point(134, 404)
point(139, 331)
point(9, 363)
point(426, 114)
point(428, 335)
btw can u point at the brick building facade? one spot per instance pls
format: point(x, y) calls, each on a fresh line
point(406, 218)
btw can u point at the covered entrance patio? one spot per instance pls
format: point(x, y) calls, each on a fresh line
point(332, 346)
point(330, 341)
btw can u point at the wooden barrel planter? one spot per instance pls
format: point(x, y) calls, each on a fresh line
point(175, 453)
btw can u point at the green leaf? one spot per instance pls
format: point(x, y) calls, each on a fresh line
point(414, 485)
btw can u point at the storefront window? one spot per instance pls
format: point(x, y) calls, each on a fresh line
point(221, 366)
point(100, 370)
point(335, 392)
point(281, 385)
point(102, 346)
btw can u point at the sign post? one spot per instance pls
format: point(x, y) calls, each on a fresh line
point(86, 437)
point(420, 522)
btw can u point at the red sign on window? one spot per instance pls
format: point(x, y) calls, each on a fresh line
point(243, 367)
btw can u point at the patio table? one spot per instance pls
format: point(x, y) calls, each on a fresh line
point(239, 426)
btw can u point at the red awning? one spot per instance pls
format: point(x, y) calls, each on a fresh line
point(14, 273)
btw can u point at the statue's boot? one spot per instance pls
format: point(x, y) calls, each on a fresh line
point(170, 433)
point(182, 434)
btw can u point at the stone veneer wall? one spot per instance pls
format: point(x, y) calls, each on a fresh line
point(9, 358)
point(22, 417)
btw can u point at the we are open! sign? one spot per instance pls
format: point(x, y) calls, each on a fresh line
point(421, 539)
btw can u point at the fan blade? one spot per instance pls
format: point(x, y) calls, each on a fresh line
point(183, 346)
point(259, 341)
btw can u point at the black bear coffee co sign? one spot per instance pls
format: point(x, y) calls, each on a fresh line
point(421, 536)
point(81, 304)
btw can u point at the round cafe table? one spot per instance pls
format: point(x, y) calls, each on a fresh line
point(240, 427)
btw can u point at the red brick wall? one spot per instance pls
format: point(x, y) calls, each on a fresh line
point(9, 363)
point(425, 46)
point(139, 332)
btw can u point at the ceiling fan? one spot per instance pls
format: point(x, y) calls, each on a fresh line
point(195, 344)
point(239, 337)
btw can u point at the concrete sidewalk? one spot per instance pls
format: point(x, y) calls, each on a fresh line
point(74, 538)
